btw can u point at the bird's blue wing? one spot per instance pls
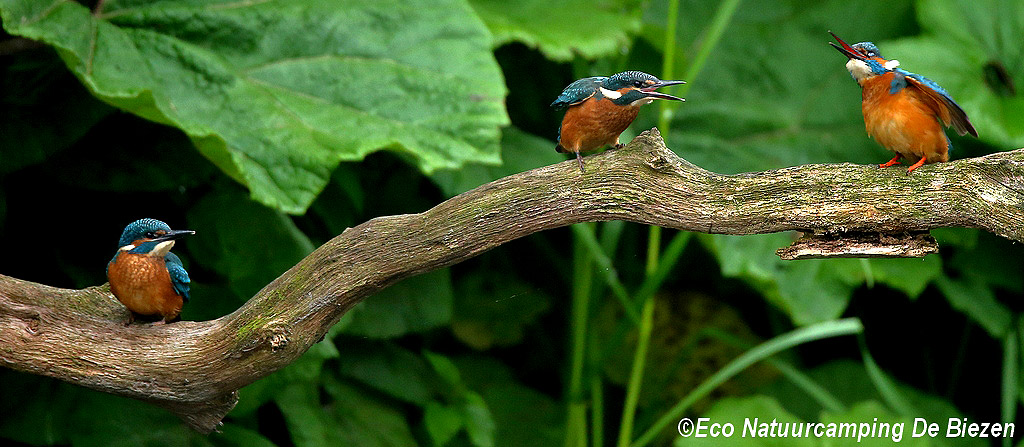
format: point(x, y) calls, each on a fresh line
point(578, 92)
point(112, 260)
point(956, 116)
point(179, 277)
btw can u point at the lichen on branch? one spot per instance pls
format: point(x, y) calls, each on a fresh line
point(194, 369)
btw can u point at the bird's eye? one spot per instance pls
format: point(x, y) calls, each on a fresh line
point(638, 84)
point(150, 235)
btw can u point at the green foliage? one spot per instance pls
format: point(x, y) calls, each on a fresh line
point(250, 243)
point(851, 384)
point(464, 409)
point(494, 310)
point(560, 30)
point(389, 369)
point(271, 127)
point(344, 415)
point(416, 304)
point(973, 53)
point(270, 92)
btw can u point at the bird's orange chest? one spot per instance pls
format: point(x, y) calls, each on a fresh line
point(143, 284)
point(902, 121)
point(595, 123)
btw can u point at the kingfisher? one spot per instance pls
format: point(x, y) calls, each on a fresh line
point(145, 276)
point(905, 112)
point(601, 107)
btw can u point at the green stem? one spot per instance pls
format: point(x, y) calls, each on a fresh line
point(668, 63)
point(636, 374)
point(827, 400)
point(663, 266)
point(576, 424)
point(760, 352)
point(585, 235)
point(596, 411)
point(885, 386)
point(718, 24)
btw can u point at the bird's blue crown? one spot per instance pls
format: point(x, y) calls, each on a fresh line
point(142, 229)
point(868, 49)
point(628, 78)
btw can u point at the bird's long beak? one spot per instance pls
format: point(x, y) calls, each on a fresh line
point(174, 234)
point(849, 51)
point(651, 93)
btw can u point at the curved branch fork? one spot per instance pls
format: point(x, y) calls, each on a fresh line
point(194, 369)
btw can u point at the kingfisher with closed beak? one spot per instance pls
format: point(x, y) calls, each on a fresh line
point(601, 107)
point(905, 112)
point(145, 276)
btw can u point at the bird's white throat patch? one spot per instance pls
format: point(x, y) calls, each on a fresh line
point(858, 69)
point(610, 94)
point(162, 248)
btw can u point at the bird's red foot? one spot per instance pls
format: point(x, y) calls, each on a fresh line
point(619, 145)
point(916, 165)
point(579, 158)
point(895, 161)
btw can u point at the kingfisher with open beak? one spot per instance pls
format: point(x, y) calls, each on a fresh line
point(905, 112)
point(601, 107)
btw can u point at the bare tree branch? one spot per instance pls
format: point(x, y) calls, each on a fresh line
point(195, 368)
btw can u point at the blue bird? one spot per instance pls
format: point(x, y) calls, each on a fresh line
point(905, 112)
point(145, 276)
point(600, 108)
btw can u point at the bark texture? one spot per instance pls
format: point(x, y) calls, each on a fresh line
point(194, 369)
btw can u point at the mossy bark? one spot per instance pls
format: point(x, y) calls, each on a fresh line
point(195, 368)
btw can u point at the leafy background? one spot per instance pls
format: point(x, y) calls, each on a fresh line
point(270, 127)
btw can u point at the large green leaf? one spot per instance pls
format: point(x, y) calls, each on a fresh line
point(277, 93)
point(813, 290)
point(560, 29)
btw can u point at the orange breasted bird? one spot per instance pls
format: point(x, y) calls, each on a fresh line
point(905, 112)
point(145, 276)
point(601, 107)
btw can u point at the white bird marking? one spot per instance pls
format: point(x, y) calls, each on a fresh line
point(610, 94)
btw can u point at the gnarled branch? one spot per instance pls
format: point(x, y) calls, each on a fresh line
point(195, 368)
